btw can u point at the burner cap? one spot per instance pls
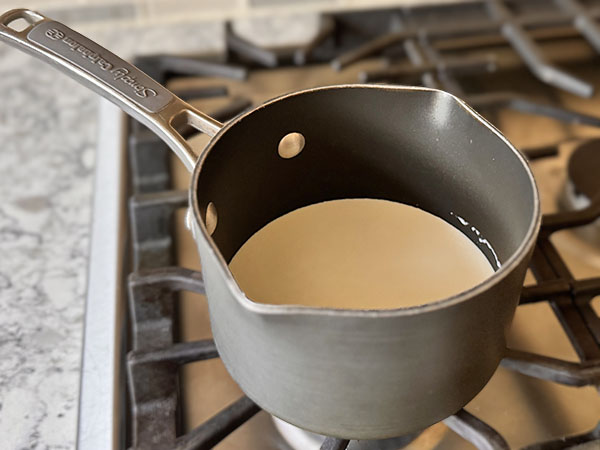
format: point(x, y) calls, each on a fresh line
point(584, 167)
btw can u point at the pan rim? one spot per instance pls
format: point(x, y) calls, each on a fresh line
point(270, 309)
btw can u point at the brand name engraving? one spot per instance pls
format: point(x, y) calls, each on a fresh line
point(120, 74)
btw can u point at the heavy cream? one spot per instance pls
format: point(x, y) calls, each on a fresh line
point(358, 254)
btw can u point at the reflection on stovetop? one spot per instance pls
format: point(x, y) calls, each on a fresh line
point(544, 389)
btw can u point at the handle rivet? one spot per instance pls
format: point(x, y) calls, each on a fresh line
point(211, 218)
point(290, 145)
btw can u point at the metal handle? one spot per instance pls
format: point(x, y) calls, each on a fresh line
point(108, 75)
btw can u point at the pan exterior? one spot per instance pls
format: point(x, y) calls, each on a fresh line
point(367, 374)
point(361, 376)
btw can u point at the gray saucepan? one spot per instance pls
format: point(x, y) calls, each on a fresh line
point(362, 374)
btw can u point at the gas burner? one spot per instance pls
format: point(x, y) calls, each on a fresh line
point(583, 185)
point(491, 53)
point(299, 439)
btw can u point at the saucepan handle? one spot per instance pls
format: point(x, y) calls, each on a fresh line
point(108, 75)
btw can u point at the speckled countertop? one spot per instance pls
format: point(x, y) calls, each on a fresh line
point(48, 136)
point(47, 152)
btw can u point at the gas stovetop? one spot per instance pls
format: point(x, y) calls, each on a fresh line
point(529, 67)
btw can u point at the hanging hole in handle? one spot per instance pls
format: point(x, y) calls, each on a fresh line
point(210, 219)
point(183, 124)
point(189, 122)
point(22, 20)
point(18, 25)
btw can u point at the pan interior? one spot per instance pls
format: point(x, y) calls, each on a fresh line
point(418, 147)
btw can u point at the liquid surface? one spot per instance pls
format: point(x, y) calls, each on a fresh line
point(358, 254)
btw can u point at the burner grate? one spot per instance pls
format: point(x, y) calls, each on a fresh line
point(345, 39)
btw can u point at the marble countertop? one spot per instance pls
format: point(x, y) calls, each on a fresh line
point(48, 135)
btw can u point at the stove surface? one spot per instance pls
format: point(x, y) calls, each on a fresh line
point(520, 67)
point(522, 409)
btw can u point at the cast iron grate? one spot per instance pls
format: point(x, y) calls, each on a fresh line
point(414, 35)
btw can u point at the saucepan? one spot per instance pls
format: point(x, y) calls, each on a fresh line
point(361, 374)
